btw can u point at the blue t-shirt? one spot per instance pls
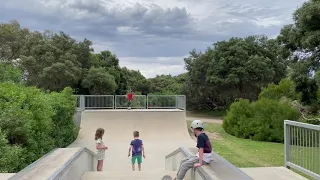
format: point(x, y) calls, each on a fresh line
point(204, 142)
point(136, 147)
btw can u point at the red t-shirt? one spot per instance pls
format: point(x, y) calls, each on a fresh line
point(130, 96)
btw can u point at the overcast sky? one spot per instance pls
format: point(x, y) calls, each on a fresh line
point(152, 36)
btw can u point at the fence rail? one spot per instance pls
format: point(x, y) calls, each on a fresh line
point(138, 102)
point(302, 147)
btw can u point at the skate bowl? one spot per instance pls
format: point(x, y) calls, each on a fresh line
point(165, 137)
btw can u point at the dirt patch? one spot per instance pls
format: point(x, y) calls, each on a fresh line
point(213, 136)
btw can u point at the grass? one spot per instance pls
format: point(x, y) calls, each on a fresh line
point(208, 114)
point(245, 152)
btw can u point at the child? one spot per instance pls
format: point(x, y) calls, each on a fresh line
point(137, 150)
point(204, 153)
point(130, 98)
point(100, 147)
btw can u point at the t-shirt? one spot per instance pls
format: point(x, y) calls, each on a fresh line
point(130, 96)
point(136, 147)
point(204, 142)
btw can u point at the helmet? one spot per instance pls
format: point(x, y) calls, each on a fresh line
point(197, 124)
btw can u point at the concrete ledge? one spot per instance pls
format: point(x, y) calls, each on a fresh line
point(62, 164)
point(218, 169)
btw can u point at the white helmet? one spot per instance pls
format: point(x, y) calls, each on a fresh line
point(197, 124)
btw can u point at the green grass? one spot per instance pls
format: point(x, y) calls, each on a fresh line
point(245, 152)
point(208, 114)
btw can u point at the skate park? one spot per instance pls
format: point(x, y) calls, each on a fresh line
point(165, 135)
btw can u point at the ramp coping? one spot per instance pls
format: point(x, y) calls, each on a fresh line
point(204, 172)
point(186, 152)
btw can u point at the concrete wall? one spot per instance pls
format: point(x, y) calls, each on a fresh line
point(77, 117)
point(75, 169)
point(218, 169)
point(62, 164)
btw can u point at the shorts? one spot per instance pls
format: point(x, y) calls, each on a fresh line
point(138, 158)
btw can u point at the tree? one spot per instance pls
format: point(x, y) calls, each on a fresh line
point(99, 81)
point(9, 73)
point(13, 39)
point(302, 39)
point(233, 69)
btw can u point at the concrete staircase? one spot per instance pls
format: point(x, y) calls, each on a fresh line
point(134, 175)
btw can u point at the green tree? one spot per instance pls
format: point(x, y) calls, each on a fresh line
point(13, 39)
point(10, 73)
point(99, 81)
point(232, 69)
point(302, 39)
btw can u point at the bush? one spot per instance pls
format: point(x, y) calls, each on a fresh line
point(285, 88)
point(32, 123)
point(65, 130)
point(261, 120)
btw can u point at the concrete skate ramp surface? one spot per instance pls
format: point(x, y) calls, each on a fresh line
point(162, 131)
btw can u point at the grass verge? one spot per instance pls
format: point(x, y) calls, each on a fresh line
point(245, 152)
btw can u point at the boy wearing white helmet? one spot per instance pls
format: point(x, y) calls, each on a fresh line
point(204, 153)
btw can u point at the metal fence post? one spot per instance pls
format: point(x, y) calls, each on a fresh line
point(147, 102)
point(82, 102)
point(287, 145)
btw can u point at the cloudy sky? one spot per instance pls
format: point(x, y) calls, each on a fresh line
point(152, 36)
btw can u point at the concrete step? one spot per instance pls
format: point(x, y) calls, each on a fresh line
point(134, 175)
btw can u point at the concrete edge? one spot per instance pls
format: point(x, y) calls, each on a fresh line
point(186, 152)
point(58, 173)
point(30, 167)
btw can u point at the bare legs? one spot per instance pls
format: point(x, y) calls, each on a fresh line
point(99, 165)
point(134, 168)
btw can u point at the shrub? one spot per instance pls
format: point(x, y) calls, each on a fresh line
point(65, 130)
point(261, 120)
point(285, 88)
point(32, 123)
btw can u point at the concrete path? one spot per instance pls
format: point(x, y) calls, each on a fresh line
point(5, 176)
point(272, 173)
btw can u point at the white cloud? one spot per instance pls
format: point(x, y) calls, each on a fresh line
point(152, 36)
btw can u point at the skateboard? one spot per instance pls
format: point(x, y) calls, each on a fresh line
point(166, 177)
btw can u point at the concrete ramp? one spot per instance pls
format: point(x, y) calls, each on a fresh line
point(162, 132)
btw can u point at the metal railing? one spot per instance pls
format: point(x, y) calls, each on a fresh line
point(302, 147)
point(162, 101)
point(139, 102)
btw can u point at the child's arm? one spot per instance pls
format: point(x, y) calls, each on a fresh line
point(99, 146)
point(143, 151)
point(130, 147)
point(200, 156)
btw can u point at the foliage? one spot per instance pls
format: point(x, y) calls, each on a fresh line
point(99, 81)
point(237, 68)
point(261, 120)
point(285, 88)
point(8, 72)
point(31, 121)
point(65, 130)
point(302, 39)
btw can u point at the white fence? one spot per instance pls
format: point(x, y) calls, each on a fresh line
point(302, 147)
point(138, 102)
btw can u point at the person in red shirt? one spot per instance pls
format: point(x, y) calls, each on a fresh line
point(130, 98)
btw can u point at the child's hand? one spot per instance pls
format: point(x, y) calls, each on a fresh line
point(144, 156)
point(105, 147)
point(197, 165)
point(129, 155)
